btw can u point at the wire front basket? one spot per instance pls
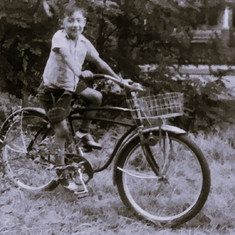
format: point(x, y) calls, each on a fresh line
point(159, 106)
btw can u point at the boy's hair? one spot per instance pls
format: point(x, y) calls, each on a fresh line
point(70, 8)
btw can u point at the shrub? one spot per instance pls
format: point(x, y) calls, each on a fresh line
point(8, 104)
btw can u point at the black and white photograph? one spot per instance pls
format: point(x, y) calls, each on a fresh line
point(117, 117)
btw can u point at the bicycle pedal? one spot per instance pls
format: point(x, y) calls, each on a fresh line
point(81, 194)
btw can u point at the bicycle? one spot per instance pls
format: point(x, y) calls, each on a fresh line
point(159, 172)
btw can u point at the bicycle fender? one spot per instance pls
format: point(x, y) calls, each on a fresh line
point(173, 129)
point(165, 128)
point(27, 109)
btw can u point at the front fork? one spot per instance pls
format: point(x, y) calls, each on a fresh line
point(164, 145)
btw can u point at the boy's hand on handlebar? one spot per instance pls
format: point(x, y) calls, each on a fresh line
point(133, 85)
point(86, 74)
point(127, 81)
point(137, 87)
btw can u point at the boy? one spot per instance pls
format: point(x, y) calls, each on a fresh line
point(63, 73)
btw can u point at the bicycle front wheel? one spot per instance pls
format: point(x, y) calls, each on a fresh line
point(177, 190)
point(28, 162)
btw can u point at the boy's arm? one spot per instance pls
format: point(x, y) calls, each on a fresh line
point(105, 68)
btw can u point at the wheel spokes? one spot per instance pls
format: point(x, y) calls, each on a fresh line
point(174, 191)
point(138, 175)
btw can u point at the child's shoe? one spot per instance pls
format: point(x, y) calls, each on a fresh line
point(87, 139)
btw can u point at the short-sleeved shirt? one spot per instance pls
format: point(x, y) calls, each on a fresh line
point(57, 74)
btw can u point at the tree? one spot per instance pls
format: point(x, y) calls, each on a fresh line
point(126, 33)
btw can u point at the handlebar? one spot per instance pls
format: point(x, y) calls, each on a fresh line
point(132, 87)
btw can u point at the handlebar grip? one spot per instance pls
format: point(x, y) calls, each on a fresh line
point(131, 86)
point(98, 76)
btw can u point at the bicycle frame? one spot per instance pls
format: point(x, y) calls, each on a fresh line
point(133, 127)
point(133, 131)
point(126, 137)
point(72, 117)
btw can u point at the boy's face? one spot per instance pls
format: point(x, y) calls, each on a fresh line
point(74, 24)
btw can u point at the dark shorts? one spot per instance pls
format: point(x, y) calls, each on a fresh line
point(57, 102)
point(49, 96)
point(46, 98)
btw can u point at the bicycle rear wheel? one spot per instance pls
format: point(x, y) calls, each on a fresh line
point(173, 195)
point(27, 160)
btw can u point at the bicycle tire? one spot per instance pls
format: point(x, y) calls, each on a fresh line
point(24, 156)
point(166, 200)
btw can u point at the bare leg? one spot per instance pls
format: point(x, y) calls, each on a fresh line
point(61, 132)
point(95, 98)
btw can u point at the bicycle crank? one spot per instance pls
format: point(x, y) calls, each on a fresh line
point(78, 162)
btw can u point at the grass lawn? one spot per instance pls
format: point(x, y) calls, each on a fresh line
point(102, 212)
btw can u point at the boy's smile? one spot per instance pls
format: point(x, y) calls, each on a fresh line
point(74, 24)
